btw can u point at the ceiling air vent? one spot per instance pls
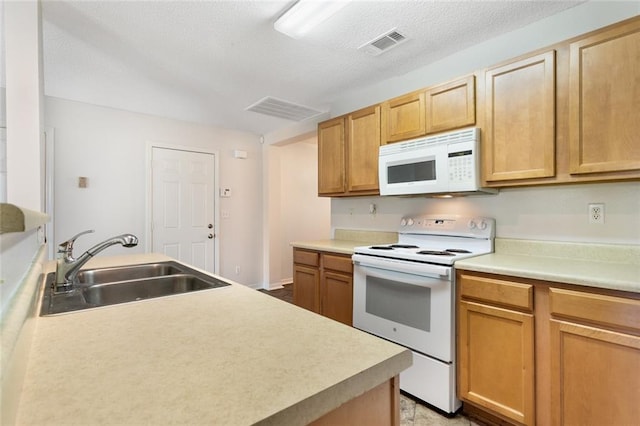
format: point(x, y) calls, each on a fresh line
point(382, 43)
point(282, 109)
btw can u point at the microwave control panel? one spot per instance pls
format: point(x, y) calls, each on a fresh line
point(461, 166)
point(462, 162)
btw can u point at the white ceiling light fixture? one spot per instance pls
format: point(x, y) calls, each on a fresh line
point(304, 15)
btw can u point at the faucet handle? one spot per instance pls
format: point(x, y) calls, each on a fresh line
point(67, 246)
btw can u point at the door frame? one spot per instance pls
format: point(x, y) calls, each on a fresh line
point(149, 195)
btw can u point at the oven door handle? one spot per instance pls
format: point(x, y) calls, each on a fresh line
point(393, 276)
point(388, 269)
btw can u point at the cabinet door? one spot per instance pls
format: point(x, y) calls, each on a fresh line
point(604, 101)
point(451, 105)
point(519, 137)
point(363, 143)
point(404, 117)
point(306, 287)
point(331, 157)
point(496, 360)
point(595, 376)
point(337, 296)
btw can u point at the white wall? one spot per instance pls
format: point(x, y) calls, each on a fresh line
point(108, 146)
point(295, 212)
point(21, 112)
point(20, 253)
point(24, 100)
point(552, 213)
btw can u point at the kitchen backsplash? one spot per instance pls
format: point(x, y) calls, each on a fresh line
point(550, 213)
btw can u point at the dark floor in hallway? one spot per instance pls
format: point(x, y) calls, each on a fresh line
point(285, 293)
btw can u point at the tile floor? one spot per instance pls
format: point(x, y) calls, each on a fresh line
point(412, 413)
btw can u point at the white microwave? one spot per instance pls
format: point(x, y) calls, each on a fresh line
point(447, 163)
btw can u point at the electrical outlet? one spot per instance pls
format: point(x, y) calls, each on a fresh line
point(596, 213)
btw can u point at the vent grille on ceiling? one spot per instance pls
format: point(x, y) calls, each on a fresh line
point(383, 43)
point(282, 109)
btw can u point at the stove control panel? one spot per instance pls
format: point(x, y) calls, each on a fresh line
point(479, 223)
point(479, 227)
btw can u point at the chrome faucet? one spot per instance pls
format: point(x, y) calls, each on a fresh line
point(67, 267)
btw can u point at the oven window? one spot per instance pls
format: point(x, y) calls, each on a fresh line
point(399, 302)
point(412, 172)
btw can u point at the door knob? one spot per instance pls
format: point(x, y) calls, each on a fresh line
point(210, 236)
point(210, 225)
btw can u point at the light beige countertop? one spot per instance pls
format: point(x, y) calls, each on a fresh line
point(333, 246)
point(615, 267)
point(227, 356)
point(345, 240)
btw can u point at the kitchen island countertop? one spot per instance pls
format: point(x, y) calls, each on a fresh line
point(229, 355)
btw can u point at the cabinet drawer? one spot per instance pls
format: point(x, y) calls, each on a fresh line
point(304, 257)
point(337, 263)
point(505, 293)
point(595, 308)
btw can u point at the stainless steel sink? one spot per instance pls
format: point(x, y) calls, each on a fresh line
point(126, 273)
point(110, 286)
point(127, 291)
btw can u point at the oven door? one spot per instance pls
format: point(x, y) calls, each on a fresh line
point(406, 302)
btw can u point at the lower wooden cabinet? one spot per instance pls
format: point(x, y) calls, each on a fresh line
point(323, 283)
point(495, 347)
point(572, 358)
point(305, 290)
point(595, 359)
point(378, 407)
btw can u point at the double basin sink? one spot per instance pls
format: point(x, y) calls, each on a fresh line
point(122, 284)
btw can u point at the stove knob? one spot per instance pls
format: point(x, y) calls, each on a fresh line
point(409, 222)
point(403, 222)
point(482, 225)
point(471, 224)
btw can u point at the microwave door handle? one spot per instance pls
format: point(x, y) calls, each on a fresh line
point(393, 276)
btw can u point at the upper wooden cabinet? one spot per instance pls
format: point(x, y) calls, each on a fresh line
point(566, 114)
point(451, 105)
point(363, 144)
point(435, 109)
point(519, 136)
point(348, 154)
point(404, 117)
point(331, 157)
point(604, 101)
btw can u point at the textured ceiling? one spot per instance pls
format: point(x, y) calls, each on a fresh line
point(207, 61)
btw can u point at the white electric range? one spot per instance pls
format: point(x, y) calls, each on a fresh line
point(405, 292)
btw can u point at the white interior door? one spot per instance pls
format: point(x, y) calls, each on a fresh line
point(183, 197)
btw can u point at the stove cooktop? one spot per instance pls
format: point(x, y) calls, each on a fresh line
point(419, 254)
point(437, 239)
